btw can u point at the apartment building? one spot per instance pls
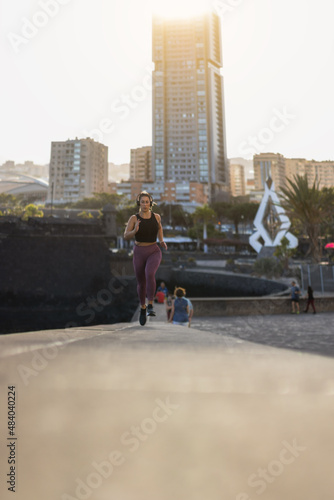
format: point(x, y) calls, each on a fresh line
point(269, 165)
point(78, 169)
point(141, 164)
point(237, 180)
point(320, 171)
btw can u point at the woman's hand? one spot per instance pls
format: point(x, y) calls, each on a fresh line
point(163, 244)
point(136, 226)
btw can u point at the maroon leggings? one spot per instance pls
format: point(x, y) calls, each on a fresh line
point(310, 301)
point(146, 261)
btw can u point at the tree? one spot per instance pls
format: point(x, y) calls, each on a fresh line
point(240, 212)
point(221, 208)
point(327, 226)
point(99, 200)
point(236, 212)
point(204, 214)
point(85, 215)
point(311, 207)
point(283, 252)
point(32, 211)
point(173, 215)
point(8, 200)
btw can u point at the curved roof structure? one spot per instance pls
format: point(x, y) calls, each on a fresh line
point(16, 183)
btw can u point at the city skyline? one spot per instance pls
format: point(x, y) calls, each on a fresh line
point(60, 83)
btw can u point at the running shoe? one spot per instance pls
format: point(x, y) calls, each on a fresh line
point(142, 316)
point(150, 310)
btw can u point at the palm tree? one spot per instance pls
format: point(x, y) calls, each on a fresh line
point(283, 252)
point(204, 214)
point(310, 206)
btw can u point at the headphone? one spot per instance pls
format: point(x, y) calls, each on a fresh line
point(144, 193)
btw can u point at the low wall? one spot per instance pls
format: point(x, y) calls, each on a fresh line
point(51, 281)
point(255, 305)
point(215, 283)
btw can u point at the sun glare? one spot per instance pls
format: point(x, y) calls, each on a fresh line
point(179, 8)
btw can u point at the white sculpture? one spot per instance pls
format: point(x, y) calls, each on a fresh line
point(271, 222)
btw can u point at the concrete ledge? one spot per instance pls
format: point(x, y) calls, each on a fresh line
point(252, 306)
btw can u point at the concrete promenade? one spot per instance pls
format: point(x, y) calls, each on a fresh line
point(162, 412)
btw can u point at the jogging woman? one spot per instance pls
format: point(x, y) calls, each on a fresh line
point(145, 227)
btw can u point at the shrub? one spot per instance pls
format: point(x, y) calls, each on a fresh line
point(269, 267)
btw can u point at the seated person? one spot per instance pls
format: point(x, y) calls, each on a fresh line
point(162, 288)
point(160, 297)
point(180, 309)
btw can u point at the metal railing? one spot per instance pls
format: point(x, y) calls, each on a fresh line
point(320, 278)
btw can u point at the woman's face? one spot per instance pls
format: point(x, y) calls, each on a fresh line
point(144, 203)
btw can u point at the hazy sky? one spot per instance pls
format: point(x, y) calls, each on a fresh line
point(71, 67)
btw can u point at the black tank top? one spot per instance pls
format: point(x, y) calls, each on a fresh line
point(148, 229)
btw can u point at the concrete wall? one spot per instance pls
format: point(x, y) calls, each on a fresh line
point(208, 283)
point(48, 281)
point(53, 267)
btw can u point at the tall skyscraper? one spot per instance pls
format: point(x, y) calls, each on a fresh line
point(188, 102)
point(78, 169)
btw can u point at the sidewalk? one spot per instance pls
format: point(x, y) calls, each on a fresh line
point(166, 412)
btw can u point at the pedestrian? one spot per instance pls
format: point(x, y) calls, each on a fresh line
point(191, 309)
point(295, 293)
point(162, 288)
point(145, 227)
point(310, 300)
point(180, 309)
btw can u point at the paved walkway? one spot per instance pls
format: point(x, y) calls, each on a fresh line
point(313, 333)
point(166, 412)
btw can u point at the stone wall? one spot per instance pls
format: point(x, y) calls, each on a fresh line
point(55, 275)
point(53, 267)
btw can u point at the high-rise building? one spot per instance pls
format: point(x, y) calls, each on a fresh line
point(269, 165)
point(8, 165)
point(321, 172)
point(78, 169)
point(280, 169)
point(141, 164)
point(188, 102)
point(294, 166)
point(237, 179)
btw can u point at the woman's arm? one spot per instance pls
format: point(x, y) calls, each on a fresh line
point(160, 232)
point(131, 228)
